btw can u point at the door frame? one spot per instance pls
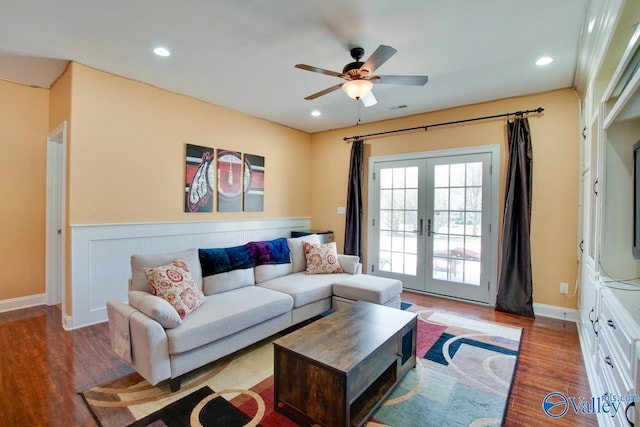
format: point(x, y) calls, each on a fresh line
point(56, 214)
point(494, 151)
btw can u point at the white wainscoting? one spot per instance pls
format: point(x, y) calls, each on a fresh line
point(100, 254)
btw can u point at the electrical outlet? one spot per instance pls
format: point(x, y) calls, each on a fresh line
point(564, 288)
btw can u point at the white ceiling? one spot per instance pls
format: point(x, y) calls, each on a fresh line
point(241, 54)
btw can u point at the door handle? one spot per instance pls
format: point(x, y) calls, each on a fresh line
point(429, 231)
point(420, 228)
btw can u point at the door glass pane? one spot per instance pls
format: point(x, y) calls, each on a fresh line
point(398, 220)
point(457, 222)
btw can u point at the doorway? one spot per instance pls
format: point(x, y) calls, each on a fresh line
point(431, 224)
point(55, 230)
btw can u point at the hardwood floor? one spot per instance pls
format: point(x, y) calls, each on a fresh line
point(43, 367)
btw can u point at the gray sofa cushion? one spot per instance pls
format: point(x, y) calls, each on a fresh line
point(226, 313)
point(305, 288)
point(141, 261)
point(227, 281)
point(271, 271)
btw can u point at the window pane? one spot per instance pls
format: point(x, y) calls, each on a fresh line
point(412, 177)
point(456, 246)
point(411, 243)
point(441, 178)
point(440, 222)
point(385, 199)
point(397, 242)
point(457, 199)
point(410, 264)
point(458, 175)
point(385, 220)
point(441, 199)
point(474, 198)
point(473, 224)
point(385, 242)
point(397, 262)
point(472, 272)
point(474, 174)
point(411, 199)
point(386, 178)
point(385, 261)
point(398, 220)
point(398, 199)
point(398, 178)
point(440, 245)
point(411, 221)
point(456, 222)
point(473, 248)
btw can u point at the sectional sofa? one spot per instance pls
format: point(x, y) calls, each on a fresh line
point(241, 295)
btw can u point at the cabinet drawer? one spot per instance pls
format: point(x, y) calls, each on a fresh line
point(609, 367)
point(611, 326)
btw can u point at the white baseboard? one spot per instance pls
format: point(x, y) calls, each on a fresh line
point(555, 312)
point(22, 302)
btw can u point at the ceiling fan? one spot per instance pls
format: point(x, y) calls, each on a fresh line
point(359, 75)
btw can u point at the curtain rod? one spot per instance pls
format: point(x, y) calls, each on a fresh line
point(516, 113)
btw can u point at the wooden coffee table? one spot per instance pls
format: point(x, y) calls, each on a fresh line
point(336, 371)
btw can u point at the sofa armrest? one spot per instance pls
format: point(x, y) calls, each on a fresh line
point(148, 341)
point(350, 263)
point(150, 347)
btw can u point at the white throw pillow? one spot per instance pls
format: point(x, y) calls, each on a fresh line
point(155, 307)
point(298, 258)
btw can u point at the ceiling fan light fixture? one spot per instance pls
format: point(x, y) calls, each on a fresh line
point(356, 89)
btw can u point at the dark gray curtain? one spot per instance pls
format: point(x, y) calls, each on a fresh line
point(515, 285)
point(353, 226)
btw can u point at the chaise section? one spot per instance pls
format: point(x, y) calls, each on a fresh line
point(379, 290)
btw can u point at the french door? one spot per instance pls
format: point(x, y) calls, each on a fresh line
point(431, 223)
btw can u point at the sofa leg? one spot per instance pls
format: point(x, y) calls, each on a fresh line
point(174, 384)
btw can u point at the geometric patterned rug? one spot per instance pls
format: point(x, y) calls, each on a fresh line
point(463, 377)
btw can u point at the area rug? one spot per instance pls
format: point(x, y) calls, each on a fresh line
point(463, 377)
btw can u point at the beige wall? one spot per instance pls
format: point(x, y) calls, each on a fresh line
point(127, 157)
point(555, 174)
point(24, 119)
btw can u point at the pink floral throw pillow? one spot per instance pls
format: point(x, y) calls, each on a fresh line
point(321, 259)
point(174, 283)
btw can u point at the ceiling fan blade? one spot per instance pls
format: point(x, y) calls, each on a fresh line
point(368, 100)
point(377, 58)
point(318, 70)
point(401, 80)
point(323, 92)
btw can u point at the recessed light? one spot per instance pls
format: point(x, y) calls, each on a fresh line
point(545, 60)
point(316, 113)
point(161, 51)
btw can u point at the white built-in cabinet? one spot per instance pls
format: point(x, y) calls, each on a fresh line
point(609, 299)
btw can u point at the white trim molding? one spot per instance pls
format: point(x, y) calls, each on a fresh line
point(555, 312)
point(101, 254)
point(22, 302)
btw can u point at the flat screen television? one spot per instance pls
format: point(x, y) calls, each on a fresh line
point(636, 201)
